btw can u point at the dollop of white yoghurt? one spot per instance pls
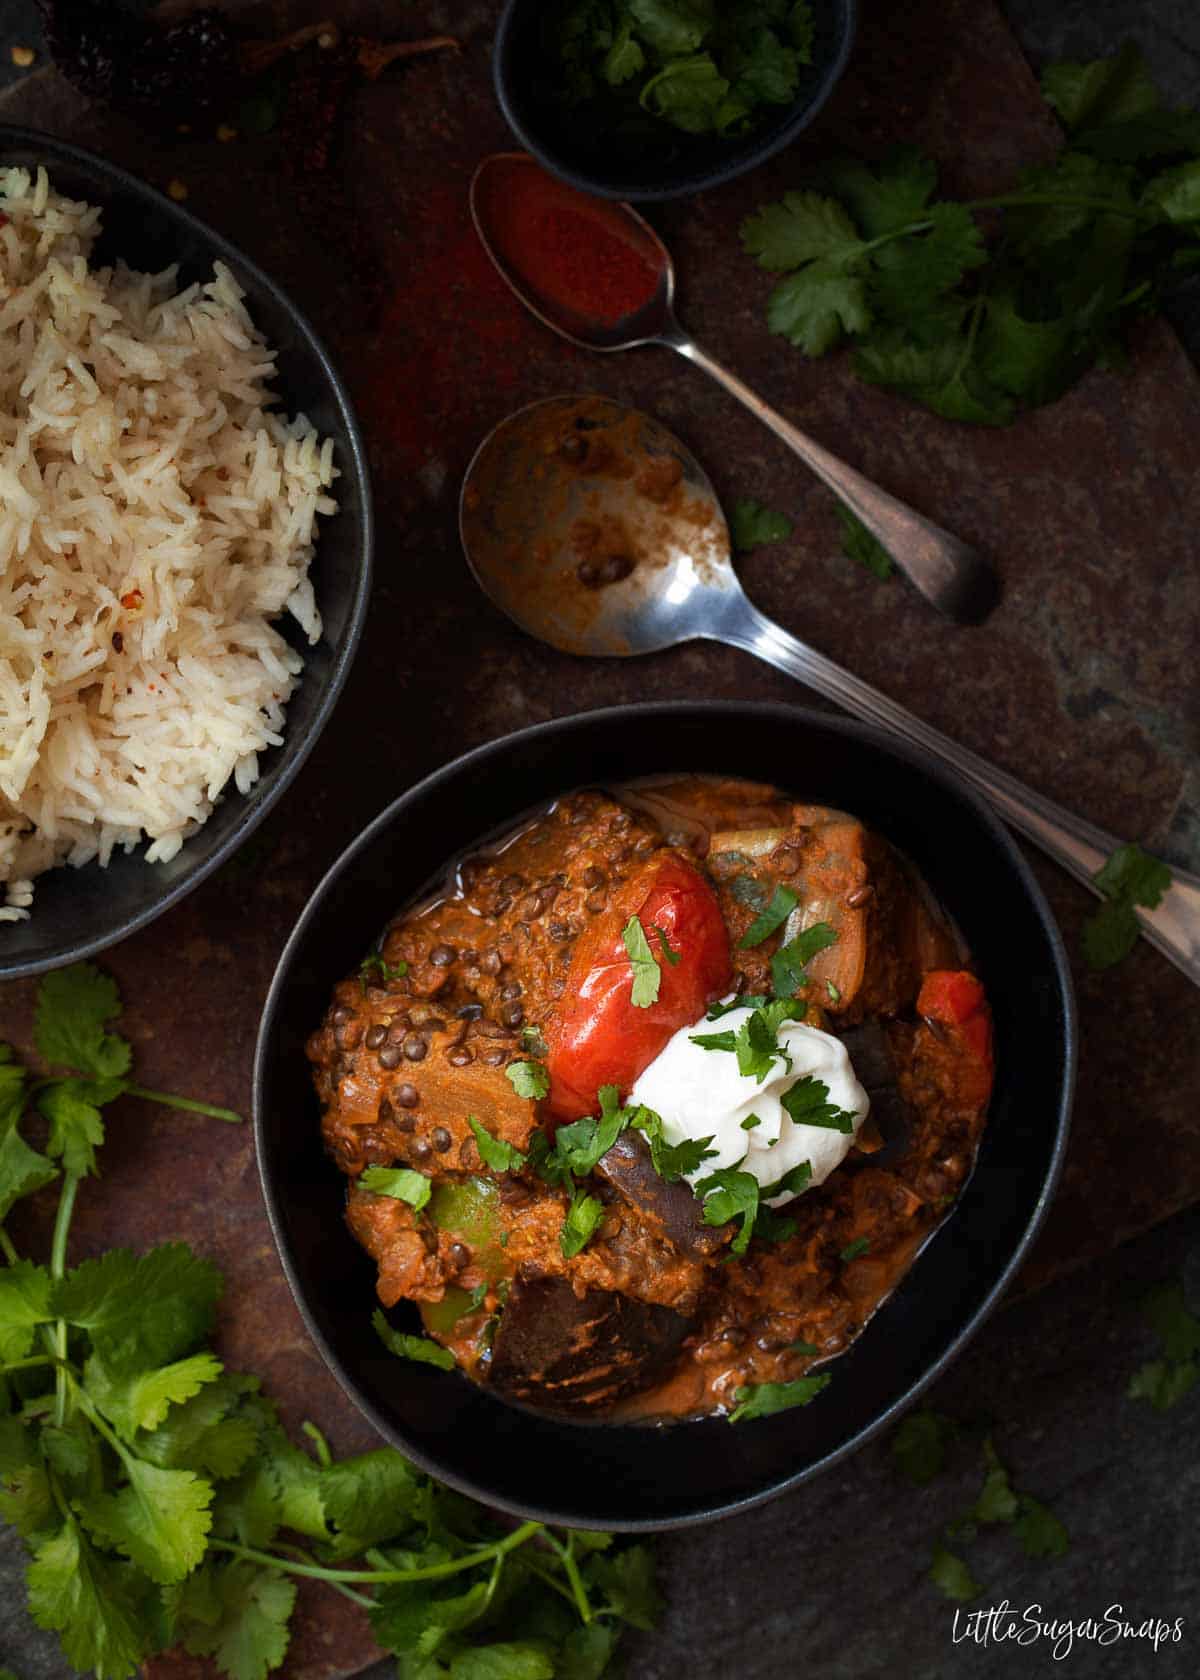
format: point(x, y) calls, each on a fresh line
point(699, 1093)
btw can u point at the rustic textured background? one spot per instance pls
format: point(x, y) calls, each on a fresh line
point(1084, 682)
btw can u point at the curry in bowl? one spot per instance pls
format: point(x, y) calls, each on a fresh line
point(655, 1101)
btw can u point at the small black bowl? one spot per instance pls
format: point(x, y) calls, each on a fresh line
point(627, 1477)
point(659, 162)
point(77, 912)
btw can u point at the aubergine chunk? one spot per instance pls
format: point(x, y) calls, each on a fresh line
point(889, 1124)
point(844, 874)
point(672, 1208)
point(564, 1352)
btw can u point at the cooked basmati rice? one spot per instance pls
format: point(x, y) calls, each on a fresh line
point(154, 519)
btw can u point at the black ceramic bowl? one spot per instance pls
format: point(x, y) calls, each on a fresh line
point(604, 1476)
point(664, 162)
point(77, 912)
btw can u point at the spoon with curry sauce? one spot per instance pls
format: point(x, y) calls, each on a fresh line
point(598, 274)
point(594, 529)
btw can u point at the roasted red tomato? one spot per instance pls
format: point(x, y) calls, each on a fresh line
point(956, 1000)
point(598, 1036)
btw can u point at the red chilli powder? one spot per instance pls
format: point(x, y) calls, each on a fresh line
point(573, 252)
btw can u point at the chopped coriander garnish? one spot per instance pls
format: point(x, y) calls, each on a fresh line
point(858, 544)
point(751, 525)
point(528, 1079)
point(808, 1104)
point(852, 1251)
point(671, 955)
point(729, 1194)
point(375, 964)
point(919, 1445)
point(418, 1348)
point(764, 1399)
point(585, 1142)
point(835, 996)
point(795, 1180)
point(1128, 879)
point(747, 1000)
point(672, 1161)
point(532, 1040)
point(578, 1228)
point(951, 1576)
point(750, 1122)
point(789, 963)
point(1165, 1381)
point(402, 1184)
point(756, 1048)
point(715, 1041)
point(801, 1347)
point(501, 1157)
point(647, 975)
point(782, 902)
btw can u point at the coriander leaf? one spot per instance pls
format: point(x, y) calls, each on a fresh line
point(1104, 91)
point(587, 1652)
point(27, 1502)
point(1163, 1383)
point(626, 1578)
point(756, 1047)
point(249, 1635)
point(715, 1041)
point(765, 1399)
point(996, 1502)
point(22, 1169)
point(1177, 193)
point(580, 1145)
point(72, 1106)
point(402, 1184)
point(751, 525)
point(578, 1228)
point(24, 1304)
point(783, 901)
point(1035, 360)
point(418, 1348)
point(919, 1446)
point(750, 1122)
point(772, 1227)
point(1109, 935)
point(189, 1430)
point(18, 1449)
point(951, 1576)
point(528, 1079)
point(789, 963)
point(692, 94)
point(671, 955)
point(802, 228)
point(1133, 875)
point(499, 1156)
point(67, 1451)
point(77, 1593)
point(912, 273)
point(669, 27)
point(807, 1103)
point(728, 1194)
point(624, 58)
point(647, 976)
point(854, 1250)
point(1039, 1530)
point(545, 1161)
point(72, 1006)
point(671, 1161)
point(141, 1313)
point(372, 1497)
point(142, 1401)
point(160, 1520)
point(858, 544)
point(814, 308)
point(941, 375)
point(885, 197)
point(377, 964)
point(793, 1183)
point(1166, 1311)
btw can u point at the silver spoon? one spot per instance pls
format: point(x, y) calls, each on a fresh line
point(594, 529)
point(952, 576)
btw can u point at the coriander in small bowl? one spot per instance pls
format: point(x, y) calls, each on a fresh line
point(652, 99)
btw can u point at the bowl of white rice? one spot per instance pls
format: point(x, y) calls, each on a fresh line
point(185, 539)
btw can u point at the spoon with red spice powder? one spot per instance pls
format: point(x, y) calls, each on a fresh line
point(599, 275)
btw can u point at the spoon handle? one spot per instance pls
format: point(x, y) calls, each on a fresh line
point(1081, 847)
point(952, 576)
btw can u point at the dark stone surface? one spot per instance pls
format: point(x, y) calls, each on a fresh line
point(1083, 683)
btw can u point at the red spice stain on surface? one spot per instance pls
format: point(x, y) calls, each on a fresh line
point(451, 334)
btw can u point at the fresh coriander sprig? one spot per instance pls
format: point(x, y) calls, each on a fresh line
point(1129, 880)
point(978, 330)
point(162, 1503)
